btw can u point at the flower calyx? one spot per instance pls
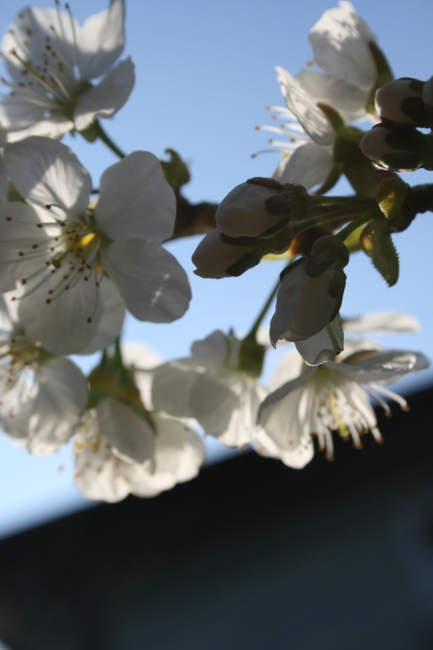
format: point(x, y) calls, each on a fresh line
point(112, 379)
point(251, 356)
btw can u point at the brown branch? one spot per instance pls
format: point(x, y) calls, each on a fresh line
point(193, 219)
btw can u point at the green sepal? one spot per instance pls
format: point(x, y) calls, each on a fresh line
point(384, 75)
point(175, 170)
point(402, 162)
point(333, 117)
point(357, 168)
point(337, 284)
point(245, 263)
point(14, 195)
point(251, 357)
point(318, 264)
point(91, 134)
point(377, 243)
point(112, 379)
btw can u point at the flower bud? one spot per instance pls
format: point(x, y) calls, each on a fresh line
point(243, 211)
point(305, 304)
point(396, 99)
point(213, 257)
point(393, 149)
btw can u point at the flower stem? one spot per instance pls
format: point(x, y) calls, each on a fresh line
point(353, 225)
point(102, 135)
point(324, 218)
point(253, 331)
point(343, 200)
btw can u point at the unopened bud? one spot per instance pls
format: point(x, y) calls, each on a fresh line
point(243, 211)
point(305, 304)
point(213, 257)
point(393, 149)
point(400, 101)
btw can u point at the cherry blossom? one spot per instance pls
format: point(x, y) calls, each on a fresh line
point(52, 61)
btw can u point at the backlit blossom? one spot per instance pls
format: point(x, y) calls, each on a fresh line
point(60, 250)
point(119, 452)
point(332, 397)
point(52, 61)
point(41, 397)
point(209, 387)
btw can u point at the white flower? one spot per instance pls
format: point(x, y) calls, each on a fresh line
point(52, 60)
point(341, 42)
point(101, 474)
point(209, 387)
point(41, 397)
point(332, 397)
point(61, 250)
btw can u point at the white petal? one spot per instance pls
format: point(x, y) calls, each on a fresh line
point(383, 322)
point(217, 349)
point(105, 99)
point(136, 200)
point(323, 346)
point(152, 283)
point(289, 368)
point(17, 113)
point(47, 172)
point(57, 407)
point(68, 323)
point(111, 322)
point(385, 366)
point(172, 386)
point(142, 360)
point(347, 99)
point(309, 165)
point(131, 437)
point(226, 406)
point(18, 234)
point(99, 473)
point(285, 427)
point(281, 392)
point(296, 458)
point(40, 22)
point(304, 107)
point(4, 184)
point(340, 44)
point(101, 40)
point(179, 453)
point(54, 127)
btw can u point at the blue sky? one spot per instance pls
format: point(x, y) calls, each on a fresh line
point(205, 72)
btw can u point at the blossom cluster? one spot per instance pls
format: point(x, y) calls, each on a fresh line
point(74, 260)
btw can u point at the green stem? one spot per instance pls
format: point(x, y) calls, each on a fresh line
point(253, 331)
point(353, 225)
point(100, 133)
point(343, 200)
point(324, 218)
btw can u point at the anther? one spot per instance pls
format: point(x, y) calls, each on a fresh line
point(8, 218)
point(48, 206)
point(89, 320)
point(35, 246)
point(48, 301)
point(23, 281)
